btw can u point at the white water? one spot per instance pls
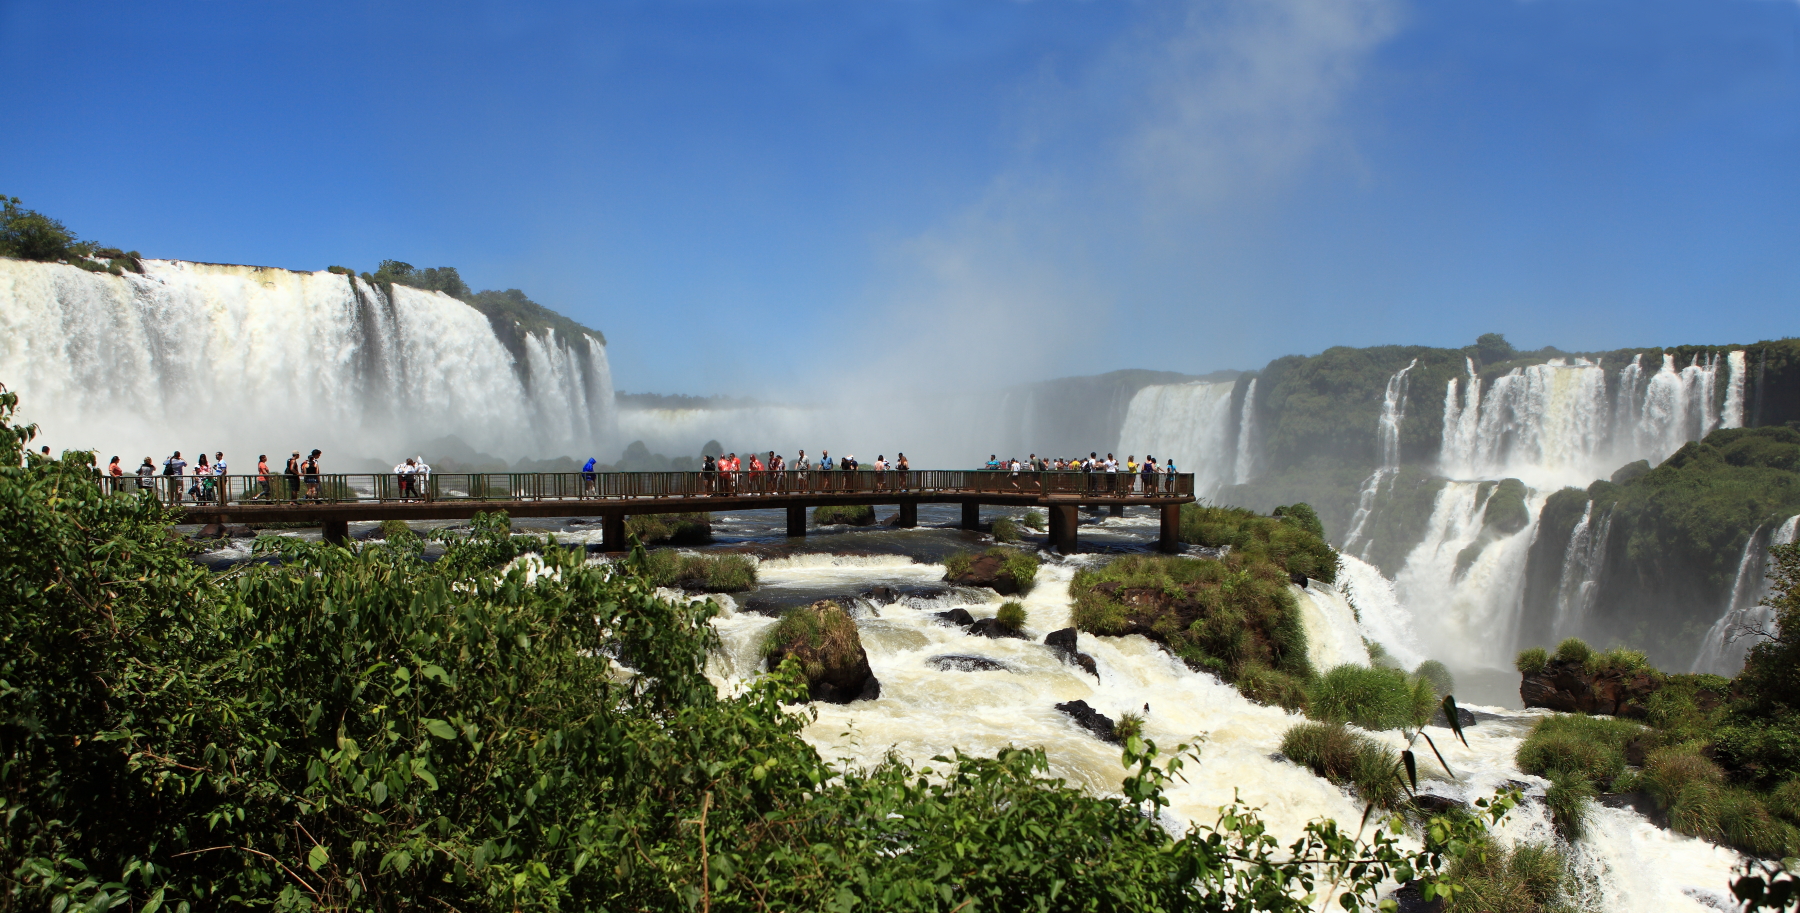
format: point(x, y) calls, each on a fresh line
point(1466, 620)
point(1190, 422)
point(197, 356)
point(1726, 644)
point(1387, 437)
point(1333, 636)
point(1246, 442)
point(1579, 585)
point(1559, 423)
point(1628, 864)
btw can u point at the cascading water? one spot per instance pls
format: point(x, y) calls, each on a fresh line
point(1190, 423)
point(196, 356)
point(1463, 584)
point(1726, 644)
point(1246, 442)
point(1561, 423)
point(928, 708)
point(1580, 580)
point(1387, 436)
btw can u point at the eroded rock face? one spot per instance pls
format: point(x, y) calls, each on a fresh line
point(1566, 686)
point(822, 638)
point(1092, 720)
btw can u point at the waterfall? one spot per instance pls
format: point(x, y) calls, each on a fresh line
point(1563, 423)
point(1578, 586)
point(1387, 436)
point(1190, 423)
point(247, 359)
point(1462, 586)
point(1725, 645)
point(1246, 442)
point(1333, 638)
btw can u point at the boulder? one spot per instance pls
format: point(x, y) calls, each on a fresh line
point(957, 662)
point(984, 571)
point(823, 639)
point(991, 627)
point(1566, 686)
point(881, 595)
point(1463, 716)
point(1062, 643)
point(1092, 720)
point(958, 617)
point(1436, 805)
point(1410, 900)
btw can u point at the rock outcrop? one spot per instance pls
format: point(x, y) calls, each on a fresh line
point(991, 627)
point(1062, 643)
point(1092, 720)
point(957, 662)
point(989, 570)
point(822, 638)
point(959, 617)
point(1566, 686)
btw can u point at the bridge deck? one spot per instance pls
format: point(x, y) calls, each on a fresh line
point(337, 499)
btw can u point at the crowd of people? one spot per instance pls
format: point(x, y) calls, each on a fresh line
point(1113, 476)
point(725, 475)
point(203, 480)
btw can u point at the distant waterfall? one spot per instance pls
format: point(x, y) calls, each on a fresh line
point(1578, 586)
point(1463, 584)
point(1190, 423)
point(1564, 424)
point(1723, 649)
point(1246, 442)
point(1387, 437)
point(197, 356)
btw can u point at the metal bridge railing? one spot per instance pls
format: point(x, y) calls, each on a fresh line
point(382, 488)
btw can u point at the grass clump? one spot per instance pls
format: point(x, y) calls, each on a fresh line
point(1011, 615)
point(846, 514)
point(1525, 878)
point(395, 530)
point(821, 637)
point(1370, 697)
point(1574, 650)
point(1129, 726)
point(1347, 759)
point(1224, 617)
point(1005, 530)
point(1590, 747)
point(1438, 675)
point(1290, 542)
point(1276, 689)
point(671, 529)
point(1034, 519)
point(1531, 661)
point(1013, 570)
point(702, 573)
point(1568, 800)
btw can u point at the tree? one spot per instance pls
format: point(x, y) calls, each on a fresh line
point(27, 234)
point(1492, 348)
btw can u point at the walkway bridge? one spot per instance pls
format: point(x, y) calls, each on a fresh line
point(336, 499)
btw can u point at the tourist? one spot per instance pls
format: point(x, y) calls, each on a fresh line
point(901, 469)
point(403, 473)
point(1130, 471)
point(1013, 474)
point(262, 477)
point(202, 471)
point(848, 465)
point(1149, 475)
point(146, 475)
point(1169, 475)
point(220, 472)
point(1112, 473)
point(293, 476)
point(421, 478)
point(727, 466)
point(802, 469)
point(993, 463)
point(709, 474)
point(588, 485)
point(881, 468)
point(778, 466)
point(174, 468)
point(309, 473)
point(825, 468)
point(116, 472)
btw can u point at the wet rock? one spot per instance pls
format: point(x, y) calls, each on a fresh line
point(779, 604)
point(1465, 717)
point(1062, 643)
point(1436, 805)
point(986, 571)
point(1090, 719)
point(991, 627)
point(957, 662)
point(824, 640)
point(1411, 901)
point(958, 617)
point(882, 595)
point(1566, 686)
point(1640, 802)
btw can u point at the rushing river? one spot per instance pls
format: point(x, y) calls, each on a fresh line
point(929, 708)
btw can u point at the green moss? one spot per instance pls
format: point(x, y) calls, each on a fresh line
point(1011, 615)
point(1347, 759)
point(847, 514)
point(1505, 512)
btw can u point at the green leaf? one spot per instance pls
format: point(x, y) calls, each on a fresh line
point(316, 858)
point(427, 776)
point(440, 729)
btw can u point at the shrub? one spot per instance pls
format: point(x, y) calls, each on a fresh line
point(1531, 661)
point(1568, 801)
point(1267, 686)
point(848, 514)
point(1368, 697)
point(1303, 516)
point(1034, 519)
point(1674, 774)
point(671, 529)
point(1784, 800)
point(26, 234)
point(1574, 650)
point(395, 530)
point(1347, 759)
point(1011, 615)
point(1005, 530)
point(704, 573)
point(1523, 878)
point(1587, 746)
point(820, 637)
point(1291, 546)
point(1129, 726)
point(1438, 675)
point(1021, 566)
point(1746, 823)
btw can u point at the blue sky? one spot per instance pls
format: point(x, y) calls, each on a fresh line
point(778, 197)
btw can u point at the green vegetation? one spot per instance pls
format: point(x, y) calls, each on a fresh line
point(849, 514)
point(27, 234)
point(1011, 615)
point(1438, 675)
point(1293, 546)
point(1531, 661)
point(671, 529)
point(1371, 697)
point(1505, 511)
point(1303, 516)
point(1574, 650)
point(1347, 759)
point(1034, 519)
point(1014, 571)
point(1005, 530)
point(395, 530)
point(509, 311)
point(1525, 878)
point(360, 728)
point(702, 573)
point(1590, 747)
point(1129, 726)
point(820, 637)
point(1227, 617)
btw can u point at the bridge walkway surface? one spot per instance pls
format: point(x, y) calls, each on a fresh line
point(336, 499)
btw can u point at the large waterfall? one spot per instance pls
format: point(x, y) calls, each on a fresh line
point(198, 356)
point(1190, 423)
point(1387, 435)
point(1567, 423)
point(1723, 649)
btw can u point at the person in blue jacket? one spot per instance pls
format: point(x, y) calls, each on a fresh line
point(587, 475)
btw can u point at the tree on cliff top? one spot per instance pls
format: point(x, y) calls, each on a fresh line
point(26, 234)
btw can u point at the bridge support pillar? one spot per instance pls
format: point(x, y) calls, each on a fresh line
point(909, 514)
point(1170, 540)
point(971, 515)
point(1062, 528)
point(1115, 510)
point(796, 522)
point(612, 532)
point(336, 532)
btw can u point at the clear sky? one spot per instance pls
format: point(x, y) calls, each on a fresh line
point(775, 197)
